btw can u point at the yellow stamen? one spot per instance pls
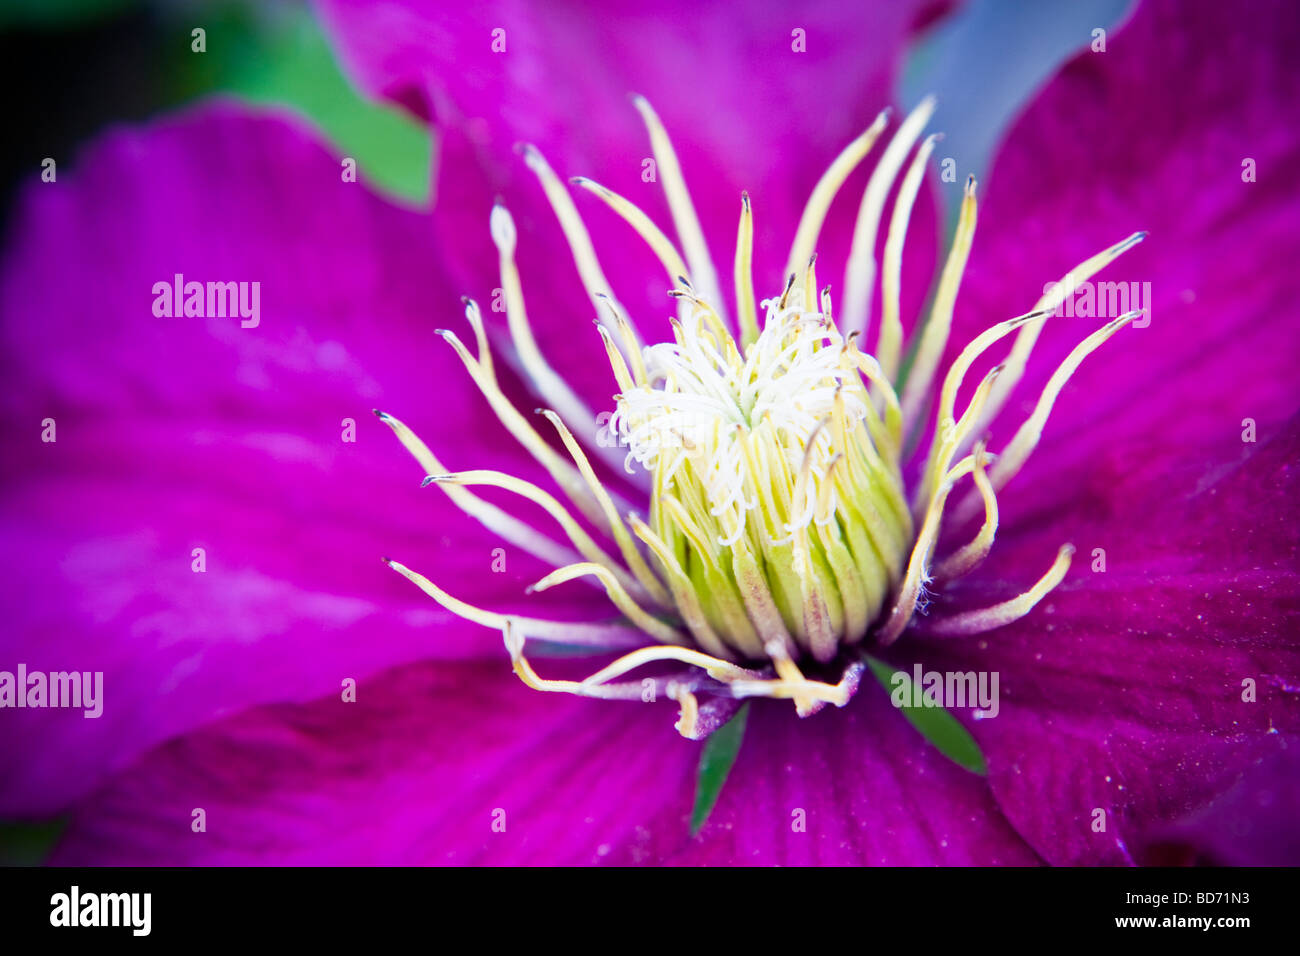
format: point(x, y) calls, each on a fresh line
point(935, 336)
point(702, 273)
point(860, 275)
point(1000, 615)
point(618, 596)
point(654, 237)
point(575, 232)
point(819, 202)
point(747, 318)
point(890, 343)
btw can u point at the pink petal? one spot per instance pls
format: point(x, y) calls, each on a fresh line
point(418, 769)
point(1147, 690)
point(744, 111)
point(183, 433)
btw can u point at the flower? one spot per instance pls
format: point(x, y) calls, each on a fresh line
point(1123, 691)
point(779, 525)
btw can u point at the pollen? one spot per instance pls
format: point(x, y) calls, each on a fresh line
point(781, 537)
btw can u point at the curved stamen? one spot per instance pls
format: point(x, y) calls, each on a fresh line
point(1018, 360)
point(604, 635)
point(518, 533)
point(579, 239)
point(680, 206)
point(644, 226)
point(819, 202)
point(618, 596)
point(970, 555)
point(586, 546)
point(565, 475)
point(860, 273)
point(631, 556)
point(889, 345)
point(934, 338)
point(1000, 615)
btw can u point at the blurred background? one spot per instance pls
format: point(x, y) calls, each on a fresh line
point(73, 68)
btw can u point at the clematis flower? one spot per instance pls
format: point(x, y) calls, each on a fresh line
point(1123, 688)
point(778, 519)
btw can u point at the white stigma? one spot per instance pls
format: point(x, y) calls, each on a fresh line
point(704, 401)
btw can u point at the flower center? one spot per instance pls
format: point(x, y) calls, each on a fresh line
point(763, 464)
point(779, 528)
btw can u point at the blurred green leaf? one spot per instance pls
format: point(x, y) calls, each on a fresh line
point(278, 54)
point(719, 754)
point(59, 14)
point(28, 844)
point(934, 723)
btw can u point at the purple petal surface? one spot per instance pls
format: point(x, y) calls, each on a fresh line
point(182, 433)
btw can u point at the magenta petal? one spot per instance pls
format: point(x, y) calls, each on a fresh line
point(183, 433)
point(1149, 688)
point(857, 786)
point(1253, 824)
point(1152, 135)
point(419, 767)
point(1123, 690)
point(416, 771)
point(724, 76)
point(744, 111)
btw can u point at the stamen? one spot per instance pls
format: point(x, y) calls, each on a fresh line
point(1024, 344)
point(608, 636)
point(622, 374)
point(631, 556)
point(874, 374)
point(510, 528)
point(575, 232)
point(654, 237)
point(680, 205)
point(1000, 615)
point(889, 345)
point(747, 313)
point(628, 334)
point(475, 319)
point(587, 547)
point(807, 695)
point(860, 274)
point(918, 574)
point(968, 557)
point(617, 594)
point(688, 720)
point(550, 386)
point(565, 475)
point(513, 634)
point(1028, 435)
point(683, 592)
point(952, 382)
point(819, 202)
point(817, 615)
point(935, 336)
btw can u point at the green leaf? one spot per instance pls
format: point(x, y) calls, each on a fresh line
point(273, 55)
point(934, 723)
point(28, 844)
point(719, 754)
